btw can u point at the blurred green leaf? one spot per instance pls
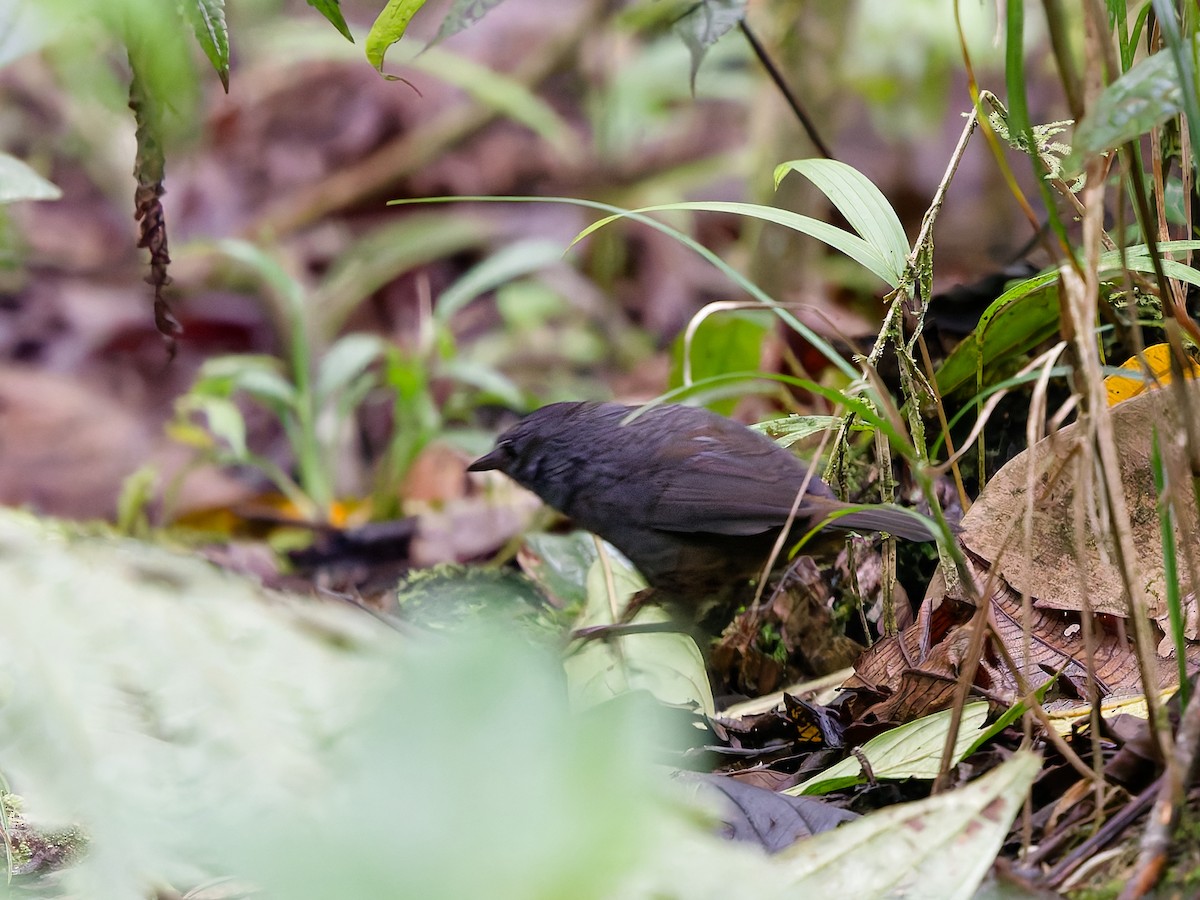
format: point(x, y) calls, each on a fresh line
point(466, 776)
point(727, 341)
point(19, 182)
point(526, 304)
point(269, 388)
point(389, 27)
point(668, 665)
point(259, 375)
point(706, 23)
point(863, 205)
point(345, 361)
point(224, 421)
point(208, 22)
point(23, 30)
point(461, 15)
point(138, 491)
point(267, 268)
point(485, 378)
point(332, 11)
point(385, 253)
point(515, 260)
point(160, 55)
point(559, 564)
point(502, 93)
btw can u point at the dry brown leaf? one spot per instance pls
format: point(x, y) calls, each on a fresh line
point(1050, 573)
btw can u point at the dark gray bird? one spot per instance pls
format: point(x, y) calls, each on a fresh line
point(695, 500)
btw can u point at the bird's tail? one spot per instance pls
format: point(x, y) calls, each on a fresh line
point(895, 520)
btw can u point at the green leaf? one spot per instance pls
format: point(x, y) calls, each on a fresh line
point(485, 378)
point(863, 205)
point(269, 388)
point(1183, 53)
point(26, 30)
point(723, 342)
point(913, 750)
point(462, 15)
point(258, 375)
point(791, 429)
point(138, 491)
point(266, 267)
point(126, 658)
point(456, 596)
point(1018, 320)
point(344, 362)
point(331, 11)
point(385, 253)
point(19, 182)
point(705, 24)
point(1141, 99)
point(852, 245)
point(1027, 313)
point(559, 564)
point(390, 26)
point(208, 21)
point(226, 369)
point(224, 420)
point(511, 262)
point(667, 665)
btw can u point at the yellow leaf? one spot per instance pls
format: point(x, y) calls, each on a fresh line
point(1154, 373)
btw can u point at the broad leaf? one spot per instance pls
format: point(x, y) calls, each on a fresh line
point(723, 342)
point(940, 847)
point(1141, 99)
point(913, 750)
point(668, 665)
point(1027, 313)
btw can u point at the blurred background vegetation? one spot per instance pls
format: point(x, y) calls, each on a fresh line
point(274, 342)
point(282, 244)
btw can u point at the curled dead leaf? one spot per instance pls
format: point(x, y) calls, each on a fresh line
point(1050, 568)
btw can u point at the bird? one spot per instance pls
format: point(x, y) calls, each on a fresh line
point(693, 499)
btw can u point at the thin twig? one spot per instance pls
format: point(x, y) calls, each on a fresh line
point(785, 89)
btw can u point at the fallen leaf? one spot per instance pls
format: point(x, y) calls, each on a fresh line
point(1051, 574)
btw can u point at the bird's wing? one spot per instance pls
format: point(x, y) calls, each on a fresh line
point(703, 486)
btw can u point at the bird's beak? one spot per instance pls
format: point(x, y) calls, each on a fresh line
point(493, 460)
